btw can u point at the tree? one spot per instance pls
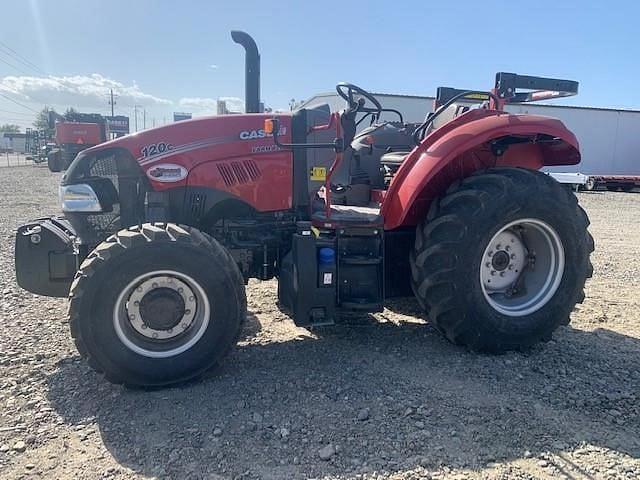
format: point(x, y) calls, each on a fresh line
point(10, 128)
point(42, 121)
point(70, 113)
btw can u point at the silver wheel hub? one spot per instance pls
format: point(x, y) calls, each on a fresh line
point(161, 314)
point(503, 261)
point(522, 267)
point(141, 321)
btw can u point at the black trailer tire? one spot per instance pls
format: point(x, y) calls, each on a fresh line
point(454, 258)
point(53, 163)
point(123, 289)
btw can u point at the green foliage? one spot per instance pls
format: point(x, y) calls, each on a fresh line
point(9, 128)
point(42, 121)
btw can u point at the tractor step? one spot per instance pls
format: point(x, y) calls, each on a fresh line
point(360, 266)
point(330, 272)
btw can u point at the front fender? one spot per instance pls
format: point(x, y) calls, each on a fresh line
point(463, 146)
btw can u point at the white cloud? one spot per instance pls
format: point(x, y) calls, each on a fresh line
point(213, 66)
point(78, 91)
point(209, 105)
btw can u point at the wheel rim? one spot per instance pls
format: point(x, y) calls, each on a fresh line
point(161, 314)
point(522, 267)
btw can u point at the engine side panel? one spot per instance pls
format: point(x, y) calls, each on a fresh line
point(463, 146)
point(230, 153)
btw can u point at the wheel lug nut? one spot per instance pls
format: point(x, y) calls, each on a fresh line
point(493, 272)
point(187, 312)
point(136, 303)
point(144, 327)
point(513, 256)
point(502, 274)
point(154, 285)
point(488, 264)
point(490, 254)
point(191, 299)
point(132, 316)
point(507, 248)
point(155, 335)
point(510, 267)
point(498, 247)
point(170, 330)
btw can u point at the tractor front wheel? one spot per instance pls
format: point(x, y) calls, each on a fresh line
point(502, 259)
point(156, 305)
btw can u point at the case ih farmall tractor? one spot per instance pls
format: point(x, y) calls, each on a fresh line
point(162, 229)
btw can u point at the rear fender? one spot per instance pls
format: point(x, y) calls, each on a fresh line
point(476, 140)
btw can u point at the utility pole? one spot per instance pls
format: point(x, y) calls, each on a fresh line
point(112, 100)
point(144, 119)
point(135, 115)
point(154, 122)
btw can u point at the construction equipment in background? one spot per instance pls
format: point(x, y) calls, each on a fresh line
point(75, 132)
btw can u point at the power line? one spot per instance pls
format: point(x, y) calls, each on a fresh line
point(16, 113)
point(13, 66)
point(18, 103)
point(20, 58)
point(11, 119)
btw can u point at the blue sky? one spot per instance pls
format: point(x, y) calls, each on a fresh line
point(177, 56)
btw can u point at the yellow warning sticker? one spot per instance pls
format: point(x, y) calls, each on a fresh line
point(318, 174)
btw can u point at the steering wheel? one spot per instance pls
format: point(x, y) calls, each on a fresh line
point(347, 92)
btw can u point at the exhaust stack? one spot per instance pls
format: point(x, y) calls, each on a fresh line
point(251, 71)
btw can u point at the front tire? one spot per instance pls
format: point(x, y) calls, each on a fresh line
point(502, 259)
point(156, 305)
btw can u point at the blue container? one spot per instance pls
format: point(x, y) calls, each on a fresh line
point(326, 267)
point(326, 256)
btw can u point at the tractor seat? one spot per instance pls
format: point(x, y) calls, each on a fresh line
point(349, 215)
point(393, 159)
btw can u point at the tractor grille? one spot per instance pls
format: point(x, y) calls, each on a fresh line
point(235, 173)
point(104, 224)
point(105, 167)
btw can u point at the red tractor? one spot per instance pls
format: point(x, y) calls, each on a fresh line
point(163, 229)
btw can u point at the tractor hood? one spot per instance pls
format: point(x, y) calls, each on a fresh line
point(177, 148)
point(180, 135)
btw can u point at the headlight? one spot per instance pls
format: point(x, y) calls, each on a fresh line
point(79, 198)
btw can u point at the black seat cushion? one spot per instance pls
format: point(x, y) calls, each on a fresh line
point(393, 158)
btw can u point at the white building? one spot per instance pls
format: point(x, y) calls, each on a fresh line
point(14, 142)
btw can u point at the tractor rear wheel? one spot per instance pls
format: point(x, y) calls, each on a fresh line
point(156, 305)
point(502, 259)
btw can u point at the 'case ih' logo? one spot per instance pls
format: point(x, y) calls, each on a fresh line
point(167, 172)
point(260, 133)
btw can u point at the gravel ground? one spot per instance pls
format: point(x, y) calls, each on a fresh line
point(387, 398)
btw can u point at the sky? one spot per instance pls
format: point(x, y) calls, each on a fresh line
point(177, 56)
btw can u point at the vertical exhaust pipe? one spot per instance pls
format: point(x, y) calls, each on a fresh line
point(251, 71)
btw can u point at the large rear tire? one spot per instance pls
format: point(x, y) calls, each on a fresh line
point(501, 260)
point(156, 305)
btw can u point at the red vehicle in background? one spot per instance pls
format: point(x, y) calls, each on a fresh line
point(74, 132)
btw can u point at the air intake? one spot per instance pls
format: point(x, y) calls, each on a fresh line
point(236, 173)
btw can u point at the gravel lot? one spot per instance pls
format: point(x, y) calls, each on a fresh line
point(387, 398)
